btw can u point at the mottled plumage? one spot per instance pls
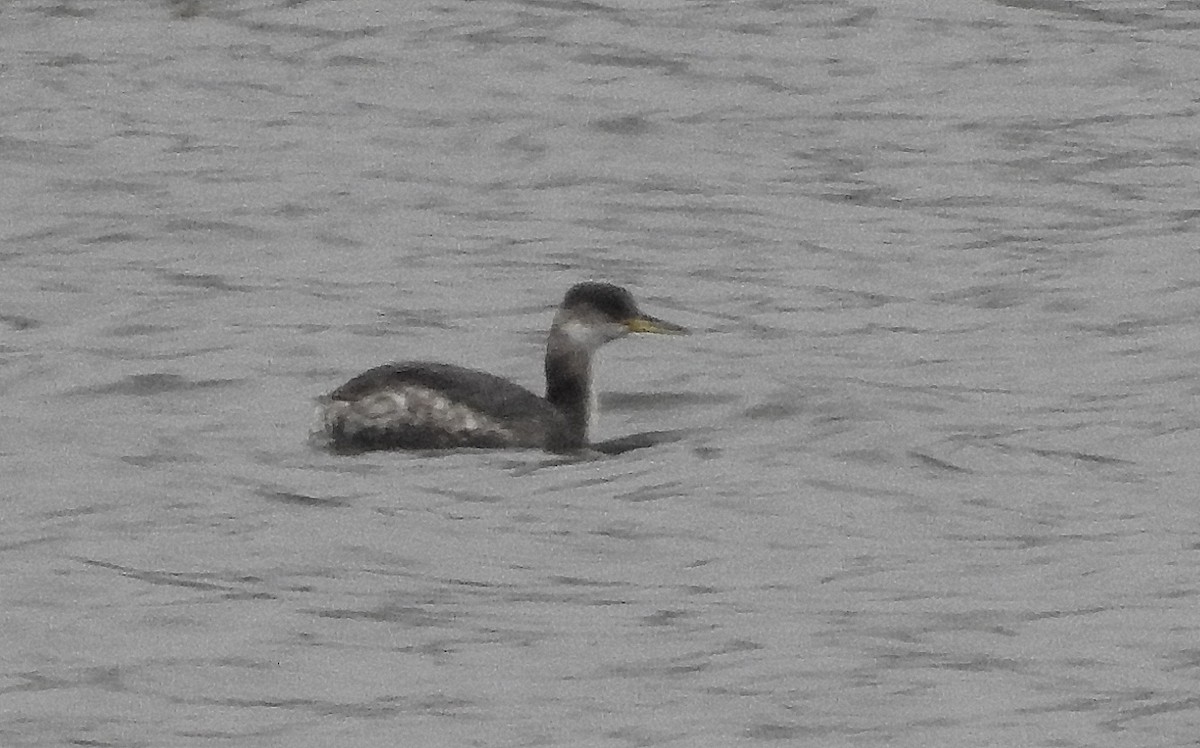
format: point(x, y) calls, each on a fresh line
point(422, 405)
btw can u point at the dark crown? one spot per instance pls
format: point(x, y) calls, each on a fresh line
point(611, 301)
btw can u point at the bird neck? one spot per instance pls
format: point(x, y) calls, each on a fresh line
point(569, 384)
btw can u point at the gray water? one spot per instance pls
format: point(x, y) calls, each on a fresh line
point(937, 484)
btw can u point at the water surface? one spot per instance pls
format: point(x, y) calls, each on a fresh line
point(937, 484)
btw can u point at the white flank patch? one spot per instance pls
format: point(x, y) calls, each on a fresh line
point(413, 406)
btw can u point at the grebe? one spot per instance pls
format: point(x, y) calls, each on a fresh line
point(421, 405)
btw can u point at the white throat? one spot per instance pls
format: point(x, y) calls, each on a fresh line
point(584, 336)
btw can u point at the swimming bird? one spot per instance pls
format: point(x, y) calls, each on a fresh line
point(424, 405)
